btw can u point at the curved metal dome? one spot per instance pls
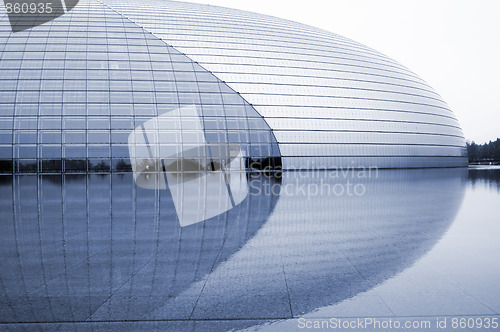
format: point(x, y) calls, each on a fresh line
point(330, 101)
point(74, 88)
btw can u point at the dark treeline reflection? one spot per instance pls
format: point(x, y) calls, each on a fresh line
point(98, 248)
point(489, 176)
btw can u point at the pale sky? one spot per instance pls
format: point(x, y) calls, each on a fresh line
point(454, 45)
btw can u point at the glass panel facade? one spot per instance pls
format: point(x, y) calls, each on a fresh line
point(73, 89)
point(114, 76)
point(298, 76)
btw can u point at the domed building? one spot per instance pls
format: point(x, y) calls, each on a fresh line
point(75, 91)
point(114, 101)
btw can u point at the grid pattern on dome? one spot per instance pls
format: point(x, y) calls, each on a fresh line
point(72, 90)
point(329, 100)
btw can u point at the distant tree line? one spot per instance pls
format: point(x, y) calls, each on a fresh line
point(487, 152)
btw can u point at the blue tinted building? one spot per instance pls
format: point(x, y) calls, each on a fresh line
point(72, 91)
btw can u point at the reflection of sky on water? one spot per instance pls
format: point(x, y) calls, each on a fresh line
point(99, 248)
point(458, 277)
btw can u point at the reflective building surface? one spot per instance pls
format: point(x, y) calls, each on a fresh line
point(290, 95)
point(175, 166)
point(100, 77)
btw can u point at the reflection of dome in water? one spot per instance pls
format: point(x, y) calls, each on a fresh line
point(74, 88)
point(196, 92)
point(316, 250)
point(82, 239)
point(120, 254)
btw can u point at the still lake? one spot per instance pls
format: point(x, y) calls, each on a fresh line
point(96, 251)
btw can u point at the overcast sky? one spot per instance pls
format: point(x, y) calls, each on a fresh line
point(454, 45)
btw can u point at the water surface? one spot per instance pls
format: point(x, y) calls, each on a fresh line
point(98, 250)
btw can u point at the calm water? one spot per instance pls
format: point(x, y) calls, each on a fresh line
point(102, 252)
